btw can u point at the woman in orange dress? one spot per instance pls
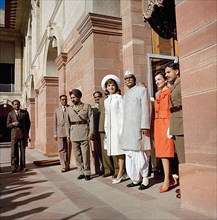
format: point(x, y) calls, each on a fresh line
point(164, 147)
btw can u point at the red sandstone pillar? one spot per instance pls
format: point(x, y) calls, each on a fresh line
point(196, 25)
point(47, 100)
point(136, 38)
point(61, 63)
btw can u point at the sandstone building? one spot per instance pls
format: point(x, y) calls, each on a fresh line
point(50, 46)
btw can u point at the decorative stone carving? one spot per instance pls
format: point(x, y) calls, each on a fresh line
point(150, 7)
point(160, 14)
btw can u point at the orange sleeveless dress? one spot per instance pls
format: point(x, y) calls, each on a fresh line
point(164, 147)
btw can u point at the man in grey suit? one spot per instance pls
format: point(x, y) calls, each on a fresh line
point(60, 134)
point(19, 123)
point(79, 129)
point(136, 131)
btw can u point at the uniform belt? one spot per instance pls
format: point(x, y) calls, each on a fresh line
point(78, 122)
point(176, 108)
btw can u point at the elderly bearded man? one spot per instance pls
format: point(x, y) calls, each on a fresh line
point(136, 131)
point(79, 129)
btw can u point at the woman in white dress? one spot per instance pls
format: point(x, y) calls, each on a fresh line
point(114, 122)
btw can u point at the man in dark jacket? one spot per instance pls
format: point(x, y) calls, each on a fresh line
point(19, 123)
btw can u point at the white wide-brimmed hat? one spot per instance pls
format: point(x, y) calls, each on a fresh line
point(128, 72)
point(110, 76)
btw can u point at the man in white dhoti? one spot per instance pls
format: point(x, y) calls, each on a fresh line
point(135, 137)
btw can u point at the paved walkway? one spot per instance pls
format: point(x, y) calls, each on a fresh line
point(46, 193)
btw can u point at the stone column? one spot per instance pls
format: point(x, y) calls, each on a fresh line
point(136, 38)
point(18, 67)
point(31, 110)
point(198, 46)
point(61, 63)
point(46, 101)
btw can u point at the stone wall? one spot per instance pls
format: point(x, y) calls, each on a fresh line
point(197, 34)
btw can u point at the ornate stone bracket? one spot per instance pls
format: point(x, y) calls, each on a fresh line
point(160, 14)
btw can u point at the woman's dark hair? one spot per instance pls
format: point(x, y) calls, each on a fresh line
point(174, 66)
point(160, 72)
point(112, 81)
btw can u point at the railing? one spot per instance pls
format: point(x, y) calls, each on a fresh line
point(6, 87)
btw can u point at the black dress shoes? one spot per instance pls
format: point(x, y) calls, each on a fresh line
point(133, 184)
point(81, 177)
point(142, 187)
point(14, 171)
point(87, 177)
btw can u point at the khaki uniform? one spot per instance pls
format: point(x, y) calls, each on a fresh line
point(79, 124)
point(110, 164)
point(176, 120)
point(96, 144)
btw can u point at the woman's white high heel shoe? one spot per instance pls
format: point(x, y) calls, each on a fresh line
point(116, 181)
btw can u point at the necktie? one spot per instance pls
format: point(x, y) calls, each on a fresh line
point(18, 114)
point(64, 110)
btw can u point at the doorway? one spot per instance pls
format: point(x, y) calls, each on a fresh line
point(156, 62)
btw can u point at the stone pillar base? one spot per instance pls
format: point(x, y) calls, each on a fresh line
point(198, 189)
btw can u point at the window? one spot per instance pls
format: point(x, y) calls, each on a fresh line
point(6, 77)
point(2, 13)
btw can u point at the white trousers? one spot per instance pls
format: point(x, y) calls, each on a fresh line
point(137, 165)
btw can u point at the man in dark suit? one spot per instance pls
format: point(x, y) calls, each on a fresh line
point(60, 133)
point(19, 123)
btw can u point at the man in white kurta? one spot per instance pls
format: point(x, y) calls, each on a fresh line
point(136, 131)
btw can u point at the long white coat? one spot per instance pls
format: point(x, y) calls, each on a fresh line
point(113, 124)
point(136, 116)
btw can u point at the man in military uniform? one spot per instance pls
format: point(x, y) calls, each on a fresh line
point(79, 129)
point(176, 118)
point(96, 144)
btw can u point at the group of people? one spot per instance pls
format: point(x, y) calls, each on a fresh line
point(116, 127)
point(121, 128)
